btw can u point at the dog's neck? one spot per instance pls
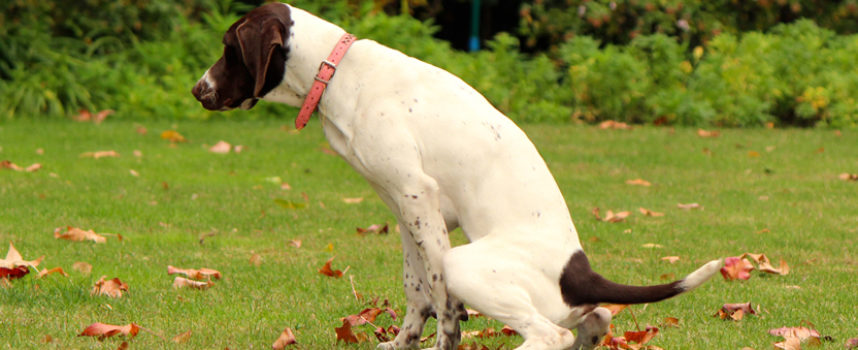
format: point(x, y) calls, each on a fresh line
point(311, 40)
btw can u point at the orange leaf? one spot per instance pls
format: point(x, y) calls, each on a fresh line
point(181, 338)
point(58, 270)
point(848, 177)
point(614, 125)
point(670, 259)
point(353, 200)
point(181, 282)
point(100, 154)
point(373, 229)
point(202, 273)
point(173, 136)
point(102, 330)
point(286, 338)
point(76, 234)
point(615, 308)
point(14, 259)
point(765, 264)
point(112, 288)
point(9, 165)
point(638, 182)
point(735, 311)
point(641, 337)
point(327, 271)
point(706, 133)
point(648, 212)
point(670, 322)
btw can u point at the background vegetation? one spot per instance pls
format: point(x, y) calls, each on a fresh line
point(705, 63)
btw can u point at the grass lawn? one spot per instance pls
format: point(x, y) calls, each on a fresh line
point(763, 191)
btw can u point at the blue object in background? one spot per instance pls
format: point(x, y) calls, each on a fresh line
point(474, 42)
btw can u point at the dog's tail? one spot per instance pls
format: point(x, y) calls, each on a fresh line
point(579, 285)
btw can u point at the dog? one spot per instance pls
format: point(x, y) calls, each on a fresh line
point(441, 157)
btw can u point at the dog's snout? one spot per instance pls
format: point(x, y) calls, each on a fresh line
point(200, 89)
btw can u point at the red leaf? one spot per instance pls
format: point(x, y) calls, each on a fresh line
point(736, 267)
point(328, 271)
point(102, 330)
point(345, 333)
point(641, 337)
point(735, 311)
point(15, 272)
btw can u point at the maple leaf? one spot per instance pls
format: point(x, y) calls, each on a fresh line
point(112, 288)
point(76, 234)
point(648, 212)
point(736, 267)
point(286, 338)
point(735, 312)
point(181, 282)
point(638, 182)
point(173, 136)
point(765, 265)
point(641, 337)
point(375, 228)
point(202, 273)
point(102, 330)
point(328, 271)
point(345, 333)
point(14, 266)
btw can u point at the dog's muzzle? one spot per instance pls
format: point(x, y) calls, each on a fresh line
point(206, 95)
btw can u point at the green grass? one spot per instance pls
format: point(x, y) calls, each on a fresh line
point(184, 192)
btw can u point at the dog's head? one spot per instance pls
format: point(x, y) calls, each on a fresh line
point(253, 61)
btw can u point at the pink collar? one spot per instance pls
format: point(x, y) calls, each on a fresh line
point(326, 71)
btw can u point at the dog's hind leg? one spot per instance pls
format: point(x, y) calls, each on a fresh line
point(418, 302)
point(498, 285)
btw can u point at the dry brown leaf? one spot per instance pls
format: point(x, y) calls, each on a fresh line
point(670, 259)
point(221, 147)
point(614, 125)
point(100, 154)
point(353, 200)
point(9, 165)
point(707, 133)
point(638, 182)
point(82, 267)
point(202, 273)
point(345, 333)
point(375, 228)
point(286, 338)
point(181, 282)
point(295, 243)
point(648, 212)
point(85, 116)
point(652, 245)
point(689, 206)
point(328, 271)
point(14, 259)
point(765, 265)
point(173, 136)
point(112, 288)
point(181, 338)
point(735, 312)
point(76, 234)
point(615, 308)
point(256, 260)
point(102, 330)
point(670, 322)
point(58, 270)
point(33, 168)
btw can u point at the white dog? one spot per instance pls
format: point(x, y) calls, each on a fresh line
point(441, 157)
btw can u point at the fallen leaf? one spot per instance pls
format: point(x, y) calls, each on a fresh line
point(286, 338)
point(134, 173)
point(100, 154)
point(82, 267)
point(753, 154)
point(795, 336)
point(736, 267)
point(85, 116)
point(765, 265)
point(112, 288)
point(614, 125)
point(652, 245)
point(202, 273)
point(353, 200)
point(9, 165)
point(33, 168)
point(615, 308)
point(670, 259)
point(295, 243)
point(852, 343)
point(58, 270)
point(173, 136)
point(848, 177)
point(181, 282)
point(221, 147)
point(382, 334)
point(670, 322)
point(689, 206)
point(345, 333)
point(648, 212)
point(735, 312)
point(638, 182)
point(14, 259)
point(181, 338)
point(789, 344)
point(327, 271)
point(641, 337)
point(706, 133)
point(76, 234)
point(373, 229)
point(256, 259)
point(102, 330)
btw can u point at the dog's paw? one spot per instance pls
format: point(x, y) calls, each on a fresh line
point(385, 346)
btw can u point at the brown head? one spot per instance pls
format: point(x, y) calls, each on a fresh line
point(253, 61)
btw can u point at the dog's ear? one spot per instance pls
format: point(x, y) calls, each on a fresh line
point(262, 38)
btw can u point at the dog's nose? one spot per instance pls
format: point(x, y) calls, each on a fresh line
point(198, 90)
